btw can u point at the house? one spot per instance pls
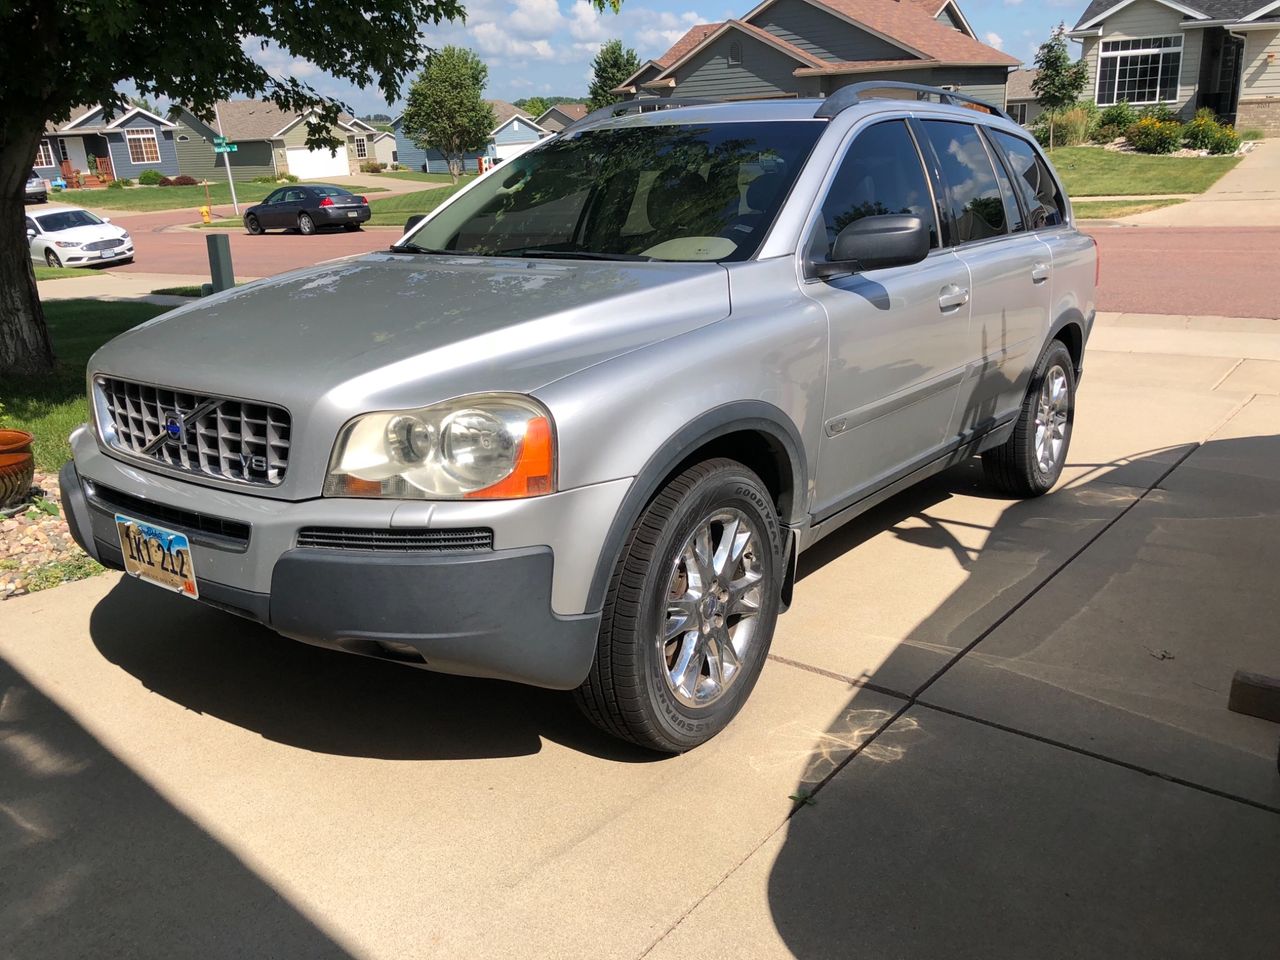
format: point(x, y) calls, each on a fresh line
point(1020, 99)
point(384, 148)
point(556, 118)
point(102, 145)
point(810, 48)
point(1187, 54)
point(513, 128)
point(269, 142)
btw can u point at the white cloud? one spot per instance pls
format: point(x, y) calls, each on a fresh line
point(536, 19)
point(994, 39)
point(585, 22)
point(494, 40)
point(1012, 3)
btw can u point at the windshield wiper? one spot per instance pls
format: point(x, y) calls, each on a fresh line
point(574, 255)
point(414, 248)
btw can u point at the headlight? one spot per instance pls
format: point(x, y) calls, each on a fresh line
point(65, 243)
point(483, 447)
point(125, 235)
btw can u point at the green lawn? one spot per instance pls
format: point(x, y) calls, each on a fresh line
point(1095, 172)
point(52, 405)
point(170, 198)
point(1111, 209)
point(59, 273)
point(393, 211)
point(419, 176)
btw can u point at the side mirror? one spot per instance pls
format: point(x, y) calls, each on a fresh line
point(31, 234)
point(106, 219)
point(873, 243)
point(413, 221)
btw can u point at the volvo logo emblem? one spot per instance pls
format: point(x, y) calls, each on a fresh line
point(175, 431)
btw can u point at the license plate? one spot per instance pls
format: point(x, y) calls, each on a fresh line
point(157, 555)
point(352, 213)
point(107, 253)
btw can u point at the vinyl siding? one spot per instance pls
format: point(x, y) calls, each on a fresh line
point(823, 35)
point(197, 159)
point(119, 149)
point(517, 131)
point(1146, 18)
point(945, 16)
point(985, 83)
point(764, 72)
point(1260, 78)
point(413, 157)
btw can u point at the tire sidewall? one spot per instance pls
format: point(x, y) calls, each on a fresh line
point(252, 224)
point(303, 221)
point(1056, 354)
point(732, 488)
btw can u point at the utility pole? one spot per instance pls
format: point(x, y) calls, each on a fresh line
point(226, 159)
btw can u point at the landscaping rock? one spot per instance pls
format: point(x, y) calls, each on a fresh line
point(36, 548)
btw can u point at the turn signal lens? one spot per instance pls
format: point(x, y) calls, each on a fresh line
point(535, 464)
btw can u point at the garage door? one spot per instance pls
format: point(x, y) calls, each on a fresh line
point(316, 164)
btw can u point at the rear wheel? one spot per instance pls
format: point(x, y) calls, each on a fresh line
point(305, 224)
point(351, 227)
point(1029, 463)
point(252, 224)
point(690, 611)
point(51, 259)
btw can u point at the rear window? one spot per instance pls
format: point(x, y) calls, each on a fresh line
point(976, 207)
point(1034, 182)
point(331, 192)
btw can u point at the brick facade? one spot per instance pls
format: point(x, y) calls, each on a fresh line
point(1259, 114)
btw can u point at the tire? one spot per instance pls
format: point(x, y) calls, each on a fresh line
point(253, 225)
point(52, 259)
point(1029, 463)
point(351, 227)
point(674, 693)
point(306, 225)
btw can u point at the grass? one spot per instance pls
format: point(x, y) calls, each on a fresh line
point(1252, 134)
point(50, 406)
point(1111, 209)
point(1095, 172)
point(171, 198)
point(419, 176)
point(60, 273)
point(393, 211)
point(79, 566)
point(189, 290)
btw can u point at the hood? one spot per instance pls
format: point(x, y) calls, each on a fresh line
point(88, 233)
point(389, 331)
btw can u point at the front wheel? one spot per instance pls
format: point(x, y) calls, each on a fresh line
point(306, 225)
point(253, 225)
point(690, 611)
point(51, 259)
point(1029, 463)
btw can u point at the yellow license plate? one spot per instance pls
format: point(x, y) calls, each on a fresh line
point(157, 555)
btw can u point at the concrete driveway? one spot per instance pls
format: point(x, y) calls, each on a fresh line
point(1008, 719)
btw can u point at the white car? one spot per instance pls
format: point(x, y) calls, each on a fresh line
point(74, 237)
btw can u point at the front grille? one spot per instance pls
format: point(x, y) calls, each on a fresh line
point(198, 526)
point(102, 244)
point(407, 540)
point(238, 440)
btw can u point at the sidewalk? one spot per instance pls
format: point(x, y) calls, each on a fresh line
point(117, 285)
point(1247, 196)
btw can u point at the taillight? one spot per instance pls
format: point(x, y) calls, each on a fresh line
point(1097, 262)
point(364, 201)
point(326, 202)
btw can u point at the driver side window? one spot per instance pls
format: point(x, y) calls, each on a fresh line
point(881, 174)
point(275, 197)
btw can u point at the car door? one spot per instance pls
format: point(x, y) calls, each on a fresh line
point(898, 336)
point(33, 243)
point(1009, 272)
point(296, 199)
point(269, 209)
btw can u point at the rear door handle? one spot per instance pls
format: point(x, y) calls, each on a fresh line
point(951, 297)
point(1040, 272)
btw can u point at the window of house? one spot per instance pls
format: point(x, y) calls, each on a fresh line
point(44, 156)
point(881, 173)
point(974, 202)
point(62, 149)
point(1140, 71)
point(362, 149)
point(735, 54)
point(143, 147)
point(1018, 111)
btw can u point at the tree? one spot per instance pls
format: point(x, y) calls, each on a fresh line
point(88, 48)
point(1060, 82)
point(444, 110)
point(612, 65)
point(145, 104)
point(533, 106)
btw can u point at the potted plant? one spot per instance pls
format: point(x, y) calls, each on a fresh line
point(17, 464)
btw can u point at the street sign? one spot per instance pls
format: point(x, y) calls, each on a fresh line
point(219, 141)
point(226, 148)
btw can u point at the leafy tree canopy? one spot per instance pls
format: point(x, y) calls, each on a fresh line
point(612, 65)
point(1060, 81)
point(445, 111)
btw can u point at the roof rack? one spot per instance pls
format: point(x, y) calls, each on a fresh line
point(624, 107)
point(846, 97)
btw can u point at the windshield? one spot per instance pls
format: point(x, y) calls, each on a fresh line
point(66, 219)
point(659, 192)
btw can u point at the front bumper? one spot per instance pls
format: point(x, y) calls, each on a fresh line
point(37, 196)
point(71, 255)
point(494, 613)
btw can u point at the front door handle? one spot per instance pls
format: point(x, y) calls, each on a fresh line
point(952, 297)
point(1040, 272)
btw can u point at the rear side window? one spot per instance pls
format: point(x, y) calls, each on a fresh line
point(881, 173)
point(974, 202)
point(1032, 178)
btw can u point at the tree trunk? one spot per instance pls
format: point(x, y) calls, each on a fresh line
point(24, 338)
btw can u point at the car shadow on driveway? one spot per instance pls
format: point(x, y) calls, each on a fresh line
point(326, 701)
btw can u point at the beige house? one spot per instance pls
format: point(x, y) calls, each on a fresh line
point(1020, 99)
point(1186, 54)
point(384, 148)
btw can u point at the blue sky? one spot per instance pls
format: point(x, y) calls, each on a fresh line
point(546, 46)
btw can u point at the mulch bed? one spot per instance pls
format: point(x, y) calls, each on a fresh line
point(36, 549)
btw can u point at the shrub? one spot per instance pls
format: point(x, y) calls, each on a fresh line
point(1225, 140)
point(1072, 127)
point(1158, 111)
point(1121, 115)
point(115, 185)
point(371, 166)
point(150, 177)
point(1152, 135)
point(289, 178)
point(1253, 133)
point(1106, 132)
point(165, 182)
point(125, 182)
point(184, 181)
point(1200, 131)
point(266, 179)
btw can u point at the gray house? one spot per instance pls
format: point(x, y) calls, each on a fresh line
point(554, 119)
point(95, 146)
point(1020, 99)
point(810, 48)
point(513, 128)
point(1187, 54)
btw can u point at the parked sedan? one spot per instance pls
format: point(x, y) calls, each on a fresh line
point(306, 208)
point(74, 237)
point(36, 192)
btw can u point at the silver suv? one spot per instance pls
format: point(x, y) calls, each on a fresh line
point(575, 428)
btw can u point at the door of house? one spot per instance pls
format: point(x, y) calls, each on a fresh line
point(1222, 57)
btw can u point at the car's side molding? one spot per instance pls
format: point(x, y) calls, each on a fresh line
point(742, 415)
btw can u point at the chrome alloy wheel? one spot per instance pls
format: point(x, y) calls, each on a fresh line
point(712, 607)
point(1052, 410)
